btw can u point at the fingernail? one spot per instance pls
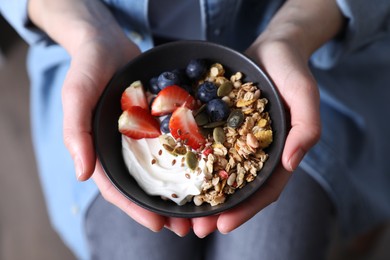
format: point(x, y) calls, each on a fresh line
point(178, 234)
point(202, 236)
point(79, 168)
point(295, 159)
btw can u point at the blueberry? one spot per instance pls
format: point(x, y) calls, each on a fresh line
point(184, 81)
point(196, 68)
point(164, 125)
point(167, 79)
point(181, 74)
point(153, 87)
point(207, 91)
point(217, 110)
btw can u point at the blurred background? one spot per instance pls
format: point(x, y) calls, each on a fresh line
point(25, 230)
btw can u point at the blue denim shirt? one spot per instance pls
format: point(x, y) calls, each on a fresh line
point(350, 161)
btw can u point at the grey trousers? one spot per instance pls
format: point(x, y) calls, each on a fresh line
point(297, 226)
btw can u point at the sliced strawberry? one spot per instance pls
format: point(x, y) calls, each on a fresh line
point(137, 123)
point(169, 99)
point(183, 126)
point(134, 95)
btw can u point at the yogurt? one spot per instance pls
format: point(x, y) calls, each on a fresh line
point(160, 173)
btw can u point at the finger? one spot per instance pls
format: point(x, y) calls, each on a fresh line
point(82, 88)
point(204, 226)
point(298, 89)
point(144, 217)
point(302, 99)
point(267, 194)
point(180, 226)
point(77, 122)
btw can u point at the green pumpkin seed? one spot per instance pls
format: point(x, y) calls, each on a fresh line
point(180, 150)
point(201, 119)
point(169, 149)
point(199, 110)
point(219, 135)
point(191, 160)
point(225, 89)
point(167, 140)
point(235, 119)
point(214, 124)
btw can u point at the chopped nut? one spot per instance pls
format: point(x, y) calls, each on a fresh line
point(252, 141)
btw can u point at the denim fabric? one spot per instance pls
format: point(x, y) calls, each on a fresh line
point(296, 227)
point(352, 70)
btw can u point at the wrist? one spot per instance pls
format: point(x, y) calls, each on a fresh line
point(305, 24)
point(71, 23)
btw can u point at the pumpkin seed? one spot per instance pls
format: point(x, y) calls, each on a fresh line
point(219, 135)
point(201, 119)
point(201, 109)
point(225, 89)
point(167, 140)
point(180, 150)
point(191, 160)
point(169, 149)
point(214, 124)
point(235, 119)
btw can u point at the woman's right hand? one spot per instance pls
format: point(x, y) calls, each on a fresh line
point(98, 48)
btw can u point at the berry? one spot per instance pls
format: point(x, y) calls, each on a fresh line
point(164, 125)
point(183, 78)
point(136, 122)
point(170, 98)
point(207, 91)
point(153, 87)
point(134, 95)
point(167, 79)
point(196, 68)
point(217, 110)
point(183, 126)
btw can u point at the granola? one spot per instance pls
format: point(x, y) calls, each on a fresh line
point(237, 159)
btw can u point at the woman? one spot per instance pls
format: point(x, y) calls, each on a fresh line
point(329, 62)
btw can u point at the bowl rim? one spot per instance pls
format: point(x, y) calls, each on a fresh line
point(282, 131)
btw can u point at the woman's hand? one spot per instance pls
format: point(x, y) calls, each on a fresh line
point(299, 92)
point(98, 48)
point(283, 50)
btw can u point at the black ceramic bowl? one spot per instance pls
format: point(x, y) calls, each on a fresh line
point(151, 63)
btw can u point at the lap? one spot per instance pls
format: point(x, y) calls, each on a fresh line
point(297, 226)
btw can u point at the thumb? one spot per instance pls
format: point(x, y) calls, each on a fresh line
point(80, 94)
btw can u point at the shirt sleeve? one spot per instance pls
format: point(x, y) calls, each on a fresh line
point(15, 12)
point(366, 22)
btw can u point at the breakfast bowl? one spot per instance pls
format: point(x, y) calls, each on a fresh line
point(169, 57)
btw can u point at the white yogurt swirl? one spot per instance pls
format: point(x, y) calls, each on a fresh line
point(160, 173)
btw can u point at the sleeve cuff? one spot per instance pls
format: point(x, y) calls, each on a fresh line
point(15, 12)
point(366, 21)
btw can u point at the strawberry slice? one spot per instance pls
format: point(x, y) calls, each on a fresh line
point(134, 95)
point(183, 126)
point(169, 99)
point(137, 123)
